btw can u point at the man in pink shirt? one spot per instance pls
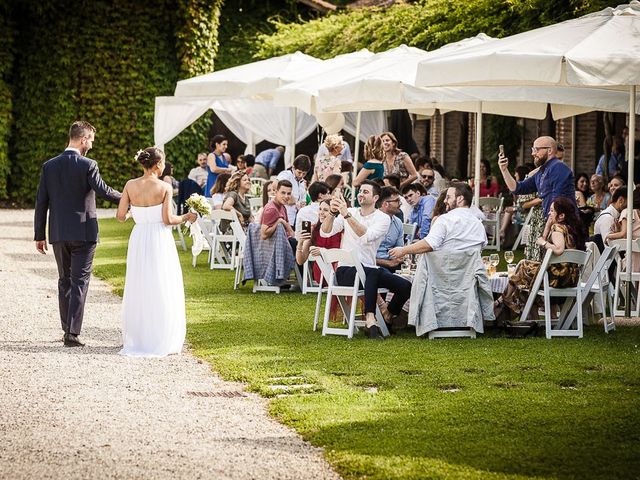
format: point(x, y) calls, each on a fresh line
point(275, 212)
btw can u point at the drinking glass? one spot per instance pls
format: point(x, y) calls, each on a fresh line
point(486, 261)
point(494, 260)
point(508, 256)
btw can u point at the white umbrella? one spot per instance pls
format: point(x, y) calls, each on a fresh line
point(598, 50)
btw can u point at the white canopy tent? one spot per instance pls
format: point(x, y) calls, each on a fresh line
point(241, 97)
point(597, 50)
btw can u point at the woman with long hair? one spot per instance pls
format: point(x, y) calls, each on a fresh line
point(599, 200)
point(582, 189)
point(218, 189)
point(236, 198)
point(565, 233)
point(489, 186)
point(373, 167)
point(396, 161)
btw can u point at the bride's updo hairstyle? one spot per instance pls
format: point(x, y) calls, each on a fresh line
point(149, 157)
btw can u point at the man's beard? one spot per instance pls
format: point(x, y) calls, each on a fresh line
point(538, 162)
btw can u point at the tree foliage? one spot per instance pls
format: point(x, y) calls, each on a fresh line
point(428, 24)
point(7, 34)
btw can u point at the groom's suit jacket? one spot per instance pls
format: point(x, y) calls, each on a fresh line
point(67, 189)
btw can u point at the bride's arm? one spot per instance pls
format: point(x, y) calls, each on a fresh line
point(123, 206)
point(167, 212)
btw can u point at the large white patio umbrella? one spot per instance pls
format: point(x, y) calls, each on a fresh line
point(601, 49)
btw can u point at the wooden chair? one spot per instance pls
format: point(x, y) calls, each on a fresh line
point(492, 206)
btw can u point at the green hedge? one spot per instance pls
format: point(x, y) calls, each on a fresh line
point(7, 33)
point(428, 24)
point(105, 62)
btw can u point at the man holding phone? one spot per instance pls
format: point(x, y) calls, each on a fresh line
point(552, 180)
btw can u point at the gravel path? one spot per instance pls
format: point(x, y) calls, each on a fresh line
point(90, 413)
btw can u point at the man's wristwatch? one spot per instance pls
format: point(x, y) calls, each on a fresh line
point(348, 215)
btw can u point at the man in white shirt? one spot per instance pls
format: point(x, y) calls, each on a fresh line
point(458, 229)
point(609, 215)
point(199, 174)
point(318, 191)
point(363, 230)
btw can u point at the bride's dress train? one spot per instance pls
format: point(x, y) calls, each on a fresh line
point(153, 312)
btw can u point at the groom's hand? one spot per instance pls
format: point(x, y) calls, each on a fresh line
point(41, 246)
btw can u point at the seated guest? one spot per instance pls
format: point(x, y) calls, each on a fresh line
point(217, 192)
point(275, 212)
point(565, 232)
point(390, 204)
point(236, 197)
point(364, 229)
point(607, 220)
point(245, 162)
point(167, 176)
point(623, 224)
point(458, 229)
point(421, 207)
point(266, 162)
point(615, 183)
point(489, 186)
point(393, 180)
point(311, 243)
point(427, 177)
point(336, 184)
point(199, 174)
point(318, 191)
point(295, 175)
point(268, 193)
point(600, 198)
point(582, 190)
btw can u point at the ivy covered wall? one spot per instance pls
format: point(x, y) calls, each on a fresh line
point(7, 33)
point(103, 61)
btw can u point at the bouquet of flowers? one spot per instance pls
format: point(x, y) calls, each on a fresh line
point(197, 204)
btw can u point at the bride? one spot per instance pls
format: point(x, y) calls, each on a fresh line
point(153, 313)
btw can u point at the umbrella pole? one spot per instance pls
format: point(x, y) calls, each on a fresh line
point(478, 154)
point(630, 183)
point(573, 144)
point(356, 158)
point(294, 116)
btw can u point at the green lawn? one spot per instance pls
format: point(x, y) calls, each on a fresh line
point(411, 408)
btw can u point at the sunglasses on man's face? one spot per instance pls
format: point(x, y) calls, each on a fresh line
point(428, 177)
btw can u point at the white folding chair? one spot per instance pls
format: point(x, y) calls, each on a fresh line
point(492, 206)
point(308, 284)
point(524, 230)
point(255, 203)
point(219, 258)
point(622, 278)
point(598, 285)
point(206, 228)
point(541, 288)
point(325, 274)
point(409, 232)
point(178, 228)
point(241, 238)
point(346, 258)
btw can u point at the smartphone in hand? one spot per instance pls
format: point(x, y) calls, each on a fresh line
point(501, 150)
point(306, 226)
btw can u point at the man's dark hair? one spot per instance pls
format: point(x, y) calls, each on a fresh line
point(302, 162)
point(217, 139)
point(80, 129)
point(318, 188)
point(284, 183)
point(394, 180)
point(333, 180)
point(464, 190)
point(249, 159)
point(422, 162)
point(375, 188)
point(416, 187)
point(621, 192)
point(387, 192)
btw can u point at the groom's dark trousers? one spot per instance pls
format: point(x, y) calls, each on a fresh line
point(67, 191)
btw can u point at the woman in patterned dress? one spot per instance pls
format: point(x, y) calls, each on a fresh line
point(397, 162)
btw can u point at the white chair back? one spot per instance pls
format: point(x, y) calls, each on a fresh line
point(492, 208)
point(622, 278)
point(409, 232)
point(255, 203)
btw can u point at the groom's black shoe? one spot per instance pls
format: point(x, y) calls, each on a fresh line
point(71, 340)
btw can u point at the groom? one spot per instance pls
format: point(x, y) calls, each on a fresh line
point(68, 184)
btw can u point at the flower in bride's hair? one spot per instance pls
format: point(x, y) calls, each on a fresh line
point(138, 155)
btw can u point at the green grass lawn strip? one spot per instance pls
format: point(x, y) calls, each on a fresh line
point(409, 408)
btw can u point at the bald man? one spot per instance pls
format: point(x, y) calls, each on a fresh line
point(552, 180)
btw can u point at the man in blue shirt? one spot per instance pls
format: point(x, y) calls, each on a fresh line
point(390, 204)
point(267, 160)
point(616, 161)
point(421, 208)
point(554, 178)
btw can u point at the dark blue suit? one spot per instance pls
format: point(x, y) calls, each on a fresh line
point(67, 190)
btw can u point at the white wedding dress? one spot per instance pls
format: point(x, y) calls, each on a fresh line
point(153, 313)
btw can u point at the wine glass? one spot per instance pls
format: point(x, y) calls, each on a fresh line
point(508, 256)
point(486, 261)
point(494, 260)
